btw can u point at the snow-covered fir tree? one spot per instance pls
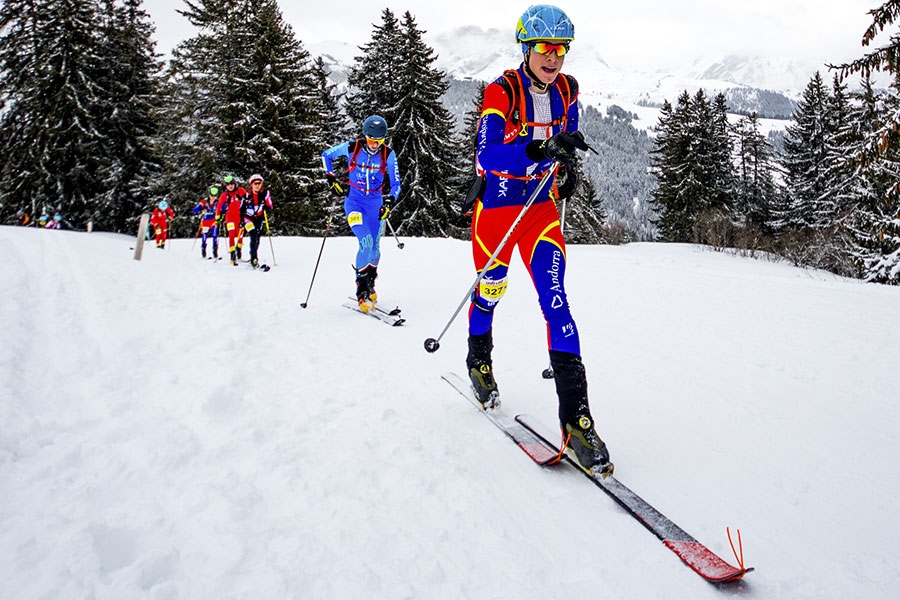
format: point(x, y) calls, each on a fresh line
point(692, 160)
point(875, 223)
point(404, 87)
point(876, 226)
point(374, 86)
point(581, 215)
point(129, 123)
point(336, 127)
point(424, 139)
point(53, 136)
point(756, 192)
point(244, 101)
point(806, 158)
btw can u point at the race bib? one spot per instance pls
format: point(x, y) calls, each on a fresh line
point(249, 226)
point(492, 289)
point(229, 226)
point(354, 218)
point(206, 230)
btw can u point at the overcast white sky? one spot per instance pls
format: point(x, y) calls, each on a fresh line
point(649, 33)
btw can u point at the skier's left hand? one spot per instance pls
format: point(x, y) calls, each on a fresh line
point(387, 202)
point(561, 147)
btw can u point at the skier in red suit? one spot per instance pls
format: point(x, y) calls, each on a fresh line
point(159, 218)
point(230, 206)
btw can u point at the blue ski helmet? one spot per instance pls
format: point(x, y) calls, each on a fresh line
point(163, 205)
point(57, 217)
point(544, 22)
point(375, 127)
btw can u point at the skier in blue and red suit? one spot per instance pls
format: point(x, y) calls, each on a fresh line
point(370, 166)
point(515, 156)
point(208, 226)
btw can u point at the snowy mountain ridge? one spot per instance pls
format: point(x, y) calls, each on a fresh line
point(474, 53)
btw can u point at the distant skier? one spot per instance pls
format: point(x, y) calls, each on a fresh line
point(159, 219)
point(254, 206)
point(55, 222)
point(208, 225)
point(370, 165)
point(42, 220)
point(229, 207)
point(22, 218)
point(516, 149)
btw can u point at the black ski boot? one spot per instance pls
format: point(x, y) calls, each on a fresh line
point(481, 372)
point(234, 258)
point(203, 251)
point(575, 415)
point(370, 283)
point(216, 252)
point(362, 289)
point(239, 252)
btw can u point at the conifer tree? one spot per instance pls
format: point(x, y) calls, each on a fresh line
point(678, 196)
point(334, 123)
point(582, 215)
point(21, 52)
point(204, 96)
point(756, 193)
point(127, 115)
point(374, 85)
point(52, 136)
point(245, 102)
point(722, 181)
point(463, 173)
point(838, 174)
point(806, 157)
point(424, 138)
point(405, 88)
point(884, 58)
point(875, 222)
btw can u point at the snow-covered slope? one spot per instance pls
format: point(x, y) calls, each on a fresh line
point(174, 428)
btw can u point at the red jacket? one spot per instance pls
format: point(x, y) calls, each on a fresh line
point(161, 217)
point(230, 204)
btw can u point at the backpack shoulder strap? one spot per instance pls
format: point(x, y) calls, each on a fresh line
point(385, 150)
point(355, 147)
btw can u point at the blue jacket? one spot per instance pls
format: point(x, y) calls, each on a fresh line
point(366, 180)
point(496, 157)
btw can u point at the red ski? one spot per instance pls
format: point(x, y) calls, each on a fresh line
point(703, 561)
point(525, 439)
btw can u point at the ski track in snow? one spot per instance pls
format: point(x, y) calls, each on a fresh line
point(179, 428)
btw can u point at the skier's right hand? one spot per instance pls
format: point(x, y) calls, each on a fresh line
point(334, 184)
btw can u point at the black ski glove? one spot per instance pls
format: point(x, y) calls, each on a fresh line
point(334, 184)
point(561, 147)
point(569, 182)
point(387, 203)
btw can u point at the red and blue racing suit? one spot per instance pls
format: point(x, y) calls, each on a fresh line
point(511, 178)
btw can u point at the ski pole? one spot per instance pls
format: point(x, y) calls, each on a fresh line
point(394, 233)
point(269, 235)
point(432, 344)
point(548, 372)
point(316, 269)
point(199, 227)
